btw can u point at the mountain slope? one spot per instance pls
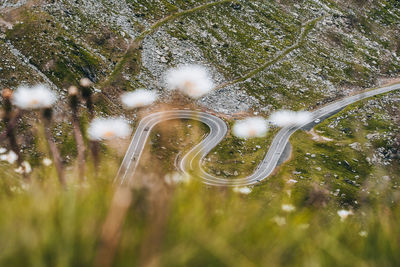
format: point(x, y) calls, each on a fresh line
point(255, 50)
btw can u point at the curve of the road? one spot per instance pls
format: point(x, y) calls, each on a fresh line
point(191, 163)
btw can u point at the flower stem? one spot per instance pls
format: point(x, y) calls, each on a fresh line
point(47, 114)
point(94, 147)
point(112, 227)
point(10, 121)
point(80, 145)
point(87, 93)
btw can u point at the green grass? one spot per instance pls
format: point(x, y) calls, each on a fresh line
point(44, 225)
point(237, 156)
point(334, 165)
point(304, 31)
point(193, 225)
point(258, 46)
point(169, 140)
point(52, 50)
point(329, 165)
point(13, 71)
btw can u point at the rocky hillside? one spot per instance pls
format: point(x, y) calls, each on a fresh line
point(263, 55)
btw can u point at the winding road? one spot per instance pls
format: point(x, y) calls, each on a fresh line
point(191, 163)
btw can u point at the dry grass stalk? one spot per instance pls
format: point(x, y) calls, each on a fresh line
point(10, 120)
point(47, 114)
point(111, 231)
point(80, 145)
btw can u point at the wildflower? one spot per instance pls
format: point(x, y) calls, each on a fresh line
point(6, 93)
point(10, 119)
point(250, 127)
point(24, 168)
point(86, 91)
point(73, 93)
point(363, 233)
point(47, 118)
point(10, 157)
point(242, 190)
point(38, 96)
point(47, 162)
point(343, 214)
point(192, 80)
point(288, 207)
point(138, 98)
point(284, 118)
point(303, 117)
point(292, 181)
point(85, 82)
point(73, 90)
point(108, 128)
point(280, 221)
point(2, 150)
point(176, 178)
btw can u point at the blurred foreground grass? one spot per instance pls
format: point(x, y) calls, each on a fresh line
point(188, 225)
point(289, 220)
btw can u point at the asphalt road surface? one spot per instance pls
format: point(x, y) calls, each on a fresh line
point(191, 163)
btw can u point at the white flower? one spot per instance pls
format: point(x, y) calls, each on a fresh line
point(292, 181)
point(303, 117)
point(24, 168)
point(250, 127)
point(38, 96)
point(288, 207)
point(242, 190)
point(280, 221)
point(108, 128)
point(176, 178)
point(10, 157)
point(343, 214)
point(138, 98)
point(47, 162)
point(363, 233)
point(284, 118)
point(192, 80)
point(2, 150)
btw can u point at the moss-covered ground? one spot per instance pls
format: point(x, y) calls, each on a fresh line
point(343, 167)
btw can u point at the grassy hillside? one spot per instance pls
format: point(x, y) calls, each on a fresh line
point(277, 54)
point(263, 56)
